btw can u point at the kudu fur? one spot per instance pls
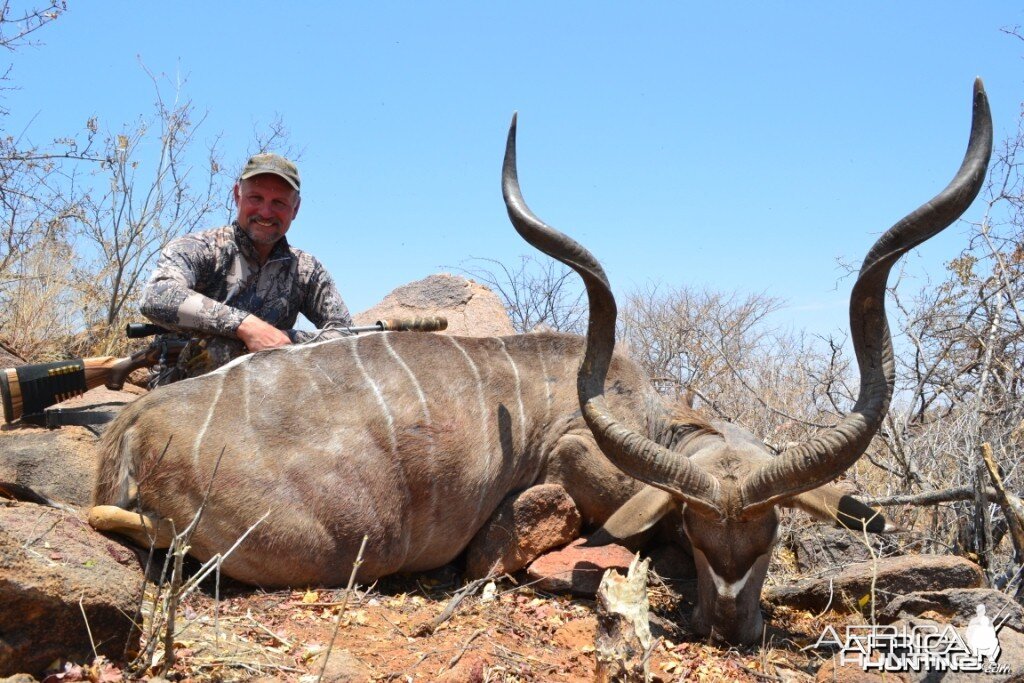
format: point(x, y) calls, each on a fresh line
point(413, 439)
point(726, 483)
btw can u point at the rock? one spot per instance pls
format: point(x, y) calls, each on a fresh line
point(524, 526)
point(472, 309)
point(578, 568)
point(1011, 656)
point(101, 404)
point(894, 576)
point(956, 606)
point(1011, 659)
point(54, 567)
point(59, 464)
point(20, 678)
point(343, 667)
point(819, 548)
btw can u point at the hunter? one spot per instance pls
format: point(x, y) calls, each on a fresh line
point(241, 287)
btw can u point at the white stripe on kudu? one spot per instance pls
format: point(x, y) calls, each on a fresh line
point(389, 416)
point(484, 441)
point(480, 396)
point(410, 374)
point(381, 401)
point(519, 394)
point(206, 422)
point(436, 502)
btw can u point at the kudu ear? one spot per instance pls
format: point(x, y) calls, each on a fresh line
point(638, 515)
point(830, 503)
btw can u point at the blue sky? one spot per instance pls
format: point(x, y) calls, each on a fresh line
point(730, 146)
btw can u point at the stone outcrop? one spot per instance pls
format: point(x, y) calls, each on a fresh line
point(828, 549)
point(892, 576)
point(523, 527)
point(472, 309)
point(956, 606)
point(578, 568)
point(58, 464)
point(63, 588)
point(934, 611)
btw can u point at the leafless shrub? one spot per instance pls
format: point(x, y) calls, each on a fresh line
point(83, 219)
point(138, 201)
point(16, 25)
point(537, 292)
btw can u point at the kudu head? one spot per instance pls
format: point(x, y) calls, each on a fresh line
point(727, 484)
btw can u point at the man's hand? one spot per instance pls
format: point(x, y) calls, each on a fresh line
point(259, 335)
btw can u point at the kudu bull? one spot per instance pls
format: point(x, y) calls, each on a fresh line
point(414, 439)
point(727, 484)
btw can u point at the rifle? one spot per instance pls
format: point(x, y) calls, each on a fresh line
point(28, 390)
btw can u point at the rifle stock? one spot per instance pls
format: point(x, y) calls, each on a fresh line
point(28, 390)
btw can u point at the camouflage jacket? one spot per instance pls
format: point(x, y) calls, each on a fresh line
point(208, 282)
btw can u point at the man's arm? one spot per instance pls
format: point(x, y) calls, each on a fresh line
point(323, 305)
point(170, 297)
point(259, 335)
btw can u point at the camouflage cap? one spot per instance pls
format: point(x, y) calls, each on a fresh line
point(271, 163)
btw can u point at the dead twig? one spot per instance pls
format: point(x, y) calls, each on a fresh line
point(88, 630)
point(1013, 520)
point(341, 612)
point(453, 604)
point(519, 658)
point(758, 674)
point(31, 542)
point(959, 493)
point(458, 655)
point(395, 626)
point(276, 637)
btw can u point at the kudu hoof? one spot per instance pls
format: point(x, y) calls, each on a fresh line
point(144, 531)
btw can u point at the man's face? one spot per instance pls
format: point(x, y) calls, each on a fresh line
point(267, 204)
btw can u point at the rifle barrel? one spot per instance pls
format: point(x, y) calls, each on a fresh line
point(140, 330)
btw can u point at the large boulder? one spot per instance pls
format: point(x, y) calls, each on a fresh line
point(887, 579)
point(472, 309)
point(63, 590)
point(955, 605)
point(524, 526)
point(59, 464)
point(934, 611)
point(821, 550)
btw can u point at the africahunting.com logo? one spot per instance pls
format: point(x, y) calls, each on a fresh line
point(919, 647)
